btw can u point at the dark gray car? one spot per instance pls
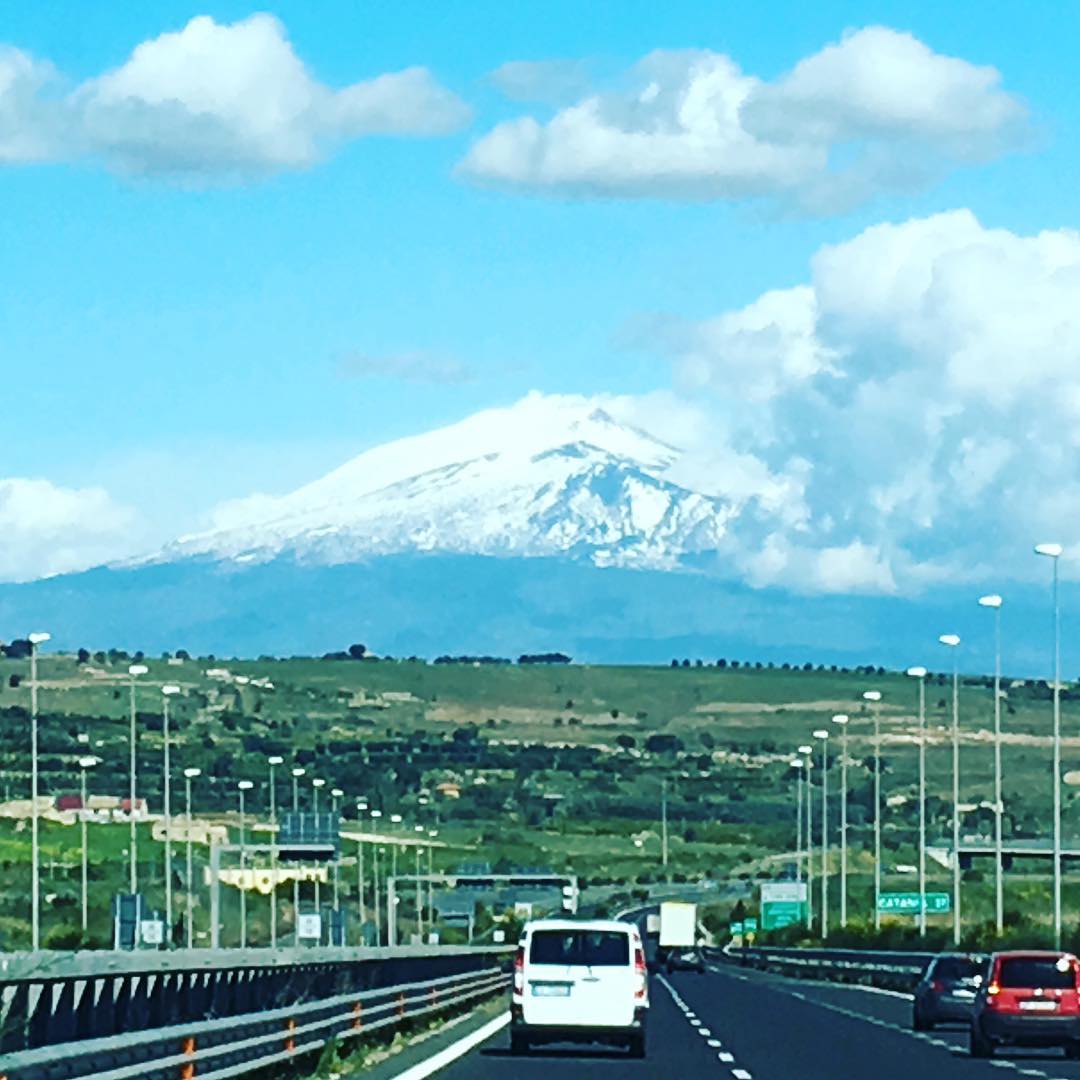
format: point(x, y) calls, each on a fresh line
point(946, 992)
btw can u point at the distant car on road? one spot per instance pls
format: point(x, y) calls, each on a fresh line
point(687, 959)
point(1028, 999)
point(579, 981)
point(946, 992)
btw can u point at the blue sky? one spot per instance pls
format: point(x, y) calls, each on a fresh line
point(178, 338)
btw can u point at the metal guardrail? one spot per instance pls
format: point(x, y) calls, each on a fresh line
point(239, 1046)
point(888, 970)
point(46, 999)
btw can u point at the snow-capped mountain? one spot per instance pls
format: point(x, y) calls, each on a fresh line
point(546, 476)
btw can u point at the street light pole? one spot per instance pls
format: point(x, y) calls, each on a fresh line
point(952, 641)
point(296, 774)
point(823, 735)
point(994, 603)
point(806, 752)
point(35, 639)
point(317, 783)
point(873, 697)
point(335, 796)
point(241, 787)
point(361, 810)
point(273, 761)
point(166, 769)
point(189, 775)
point(85, 763)
point(134, 671)
point(797, 765)
point(663, 824)
point(842, 720)
point(375, 815)
point(1053, 551)
point(920, 674)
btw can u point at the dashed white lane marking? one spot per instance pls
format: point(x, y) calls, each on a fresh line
point(704, 1032)
point(725, 1055)
point(715, 1043)
point(740, 1074)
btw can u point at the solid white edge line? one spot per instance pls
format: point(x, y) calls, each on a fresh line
point(455, 1050)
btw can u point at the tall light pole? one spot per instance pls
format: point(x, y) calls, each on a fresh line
point(273, 762)
point(419, 890)
point(994, 603)
point(432, 833)
point(335, 796)
point(1053, 552)
point(189, 775)
point(873, 697)
point(242, 787)
point(823, 735)
point(842, 720)
point(317, 783)
point(134, 671)
point(806, 752)
point(375, 815)
point(296, 774)
point(35, 640)
point(166, 778)
point(920, 674)
point(361, 810)
point(952, 642)
point(797, 765)
point(85, 763)
point(663, 824)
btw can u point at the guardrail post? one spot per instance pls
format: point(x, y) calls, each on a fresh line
point(290, 1037)
point(401, 1006)
point(358, 1016)
point(187, 1048)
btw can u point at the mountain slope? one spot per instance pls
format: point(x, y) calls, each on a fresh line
point(547, 476)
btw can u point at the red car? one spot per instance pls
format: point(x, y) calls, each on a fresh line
point(1028, 999)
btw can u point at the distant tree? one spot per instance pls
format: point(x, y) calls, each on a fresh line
point(182, 654)
point(357, 652)
point(14, 681)
point(626, 742)
point(99, 657)
point(19, 649)
point(614, 714)
point(698, 663)
point(83, 656)
point(674, 663)
point(734, 663)
point(686, 663)
point(808, 666)
point(721, 663)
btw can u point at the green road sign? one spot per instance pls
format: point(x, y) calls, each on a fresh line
point(736, 929)
point(779, 913)
point(749, 926)
point(900, 903)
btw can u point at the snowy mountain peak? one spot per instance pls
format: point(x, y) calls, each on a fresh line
point(549, 475)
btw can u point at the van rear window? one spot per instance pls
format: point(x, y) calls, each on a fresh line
point(1022, 972)
point(592, 948)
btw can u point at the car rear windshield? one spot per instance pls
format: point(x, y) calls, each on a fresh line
point(957, 967)
point(1024, 972)
point(594, 948)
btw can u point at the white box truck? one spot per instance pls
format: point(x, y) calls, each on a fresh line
point(678, 937)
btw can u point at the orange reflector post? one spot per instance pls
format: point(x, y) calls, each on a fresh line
point(290, 1041)
point(187, 1048)
point(358, 1016)
point(401, 1005)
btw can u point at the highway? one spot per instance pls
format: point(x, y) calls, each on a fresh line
point(746, 1025)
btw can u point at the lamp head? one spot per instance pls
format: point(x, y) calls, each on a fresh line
point(991, 601)
point(376, 813)
point(39, 637)
point(806, 750)
point(170, 690)
point(137, 669)
point(840, 718)
point(952, 640)
point(871, 695)
point(89, 762)
point(821, 733)
point(299, 771)
point(245, 785)
point(336, 792)
point(395, 818)
point(917, 672)
point(275, 759)
point(190, 774)
point(796, 763)
point(1052, 551)
point(318, 781)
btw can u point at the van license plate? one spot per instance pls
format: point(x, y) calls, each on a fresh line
point(1039, 1006)
point(551, 989)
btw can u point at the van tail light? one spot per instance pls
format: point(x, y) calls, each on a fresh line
point(641, 971)
point(519, 970)
point(937, 986)
point(993, 989)
point(993, 999)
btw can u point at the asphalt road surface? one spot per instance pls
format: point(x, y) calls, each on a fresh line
point(731, 1023)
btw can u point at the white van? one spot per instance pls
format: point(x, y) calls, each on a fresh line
point(579, 981)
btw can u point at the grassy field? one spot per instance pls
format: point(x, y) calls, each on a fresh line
point(558, 766)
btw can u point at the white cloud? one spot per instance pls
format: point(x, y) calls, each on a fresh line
point(551, 82)
point(211, 101)
point(927, 377)
point(878, 111)
point(415, 367)
point(50, 530)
